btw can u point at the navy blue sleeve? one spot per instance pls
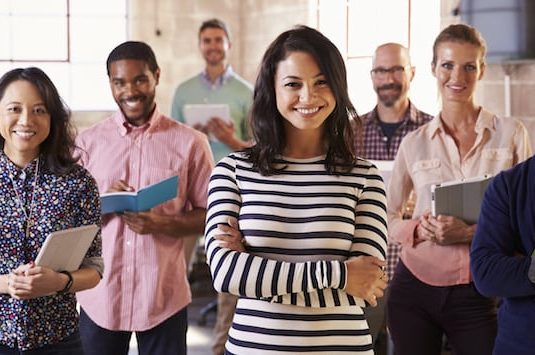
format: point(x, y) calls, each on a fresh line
point(498, 263)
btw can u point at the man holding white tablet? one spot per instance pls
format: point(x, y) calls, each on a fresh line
point(217, 85)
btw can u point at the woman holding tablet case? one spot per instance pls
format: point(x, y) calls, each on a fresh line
point(432, 293)
point(42, 190)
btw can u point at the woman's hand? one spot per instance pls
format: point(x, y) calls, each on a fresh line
point(445, 230)
point(424, 231)
point(230, 236)
point(30, 281)
point(366, 278)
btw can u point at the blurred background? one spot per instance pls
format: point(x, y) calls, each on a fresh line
point(70, 40)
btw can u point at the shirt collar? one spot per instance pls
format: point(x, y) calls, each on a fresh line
point(124, 127)
point(435, 126)
point(412, 115)
point(220, 81)
point(485, 120)
point(7, 165)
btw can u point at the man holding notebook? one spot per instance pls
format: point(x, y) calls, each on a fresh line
point(144, 288)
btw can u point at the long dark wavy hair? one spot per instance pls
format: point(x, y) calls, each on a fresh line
point(58, 148)
point(267, 122)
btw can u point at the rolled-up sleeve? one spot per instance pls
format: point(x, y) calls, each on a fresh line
point(399, 188)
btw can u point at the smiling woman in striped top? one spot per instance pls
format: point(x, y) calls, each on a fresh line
point(311, 217)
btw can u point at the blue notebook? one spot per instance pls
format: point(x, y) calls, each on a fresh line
point(142, 200)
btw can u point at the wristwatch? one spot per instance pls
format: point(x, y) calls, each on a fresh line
point(68, 285)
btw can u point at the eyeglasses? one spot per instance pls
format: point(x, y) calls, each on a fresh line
point(382, 72)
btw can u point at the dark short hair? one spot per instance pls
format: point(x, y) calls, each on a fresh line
point(58, 148)
point(214, 23)
point(133, 50)
point(460, 33)
point(266, 121)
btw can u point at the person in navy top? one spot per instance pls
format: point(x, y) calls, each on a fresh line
point(502, 256)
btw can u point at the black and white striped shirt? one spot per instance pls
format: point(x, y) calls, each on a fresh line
point(299, 226)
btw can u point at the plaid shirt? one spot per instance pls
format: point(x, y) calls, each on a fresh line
point(375, 146)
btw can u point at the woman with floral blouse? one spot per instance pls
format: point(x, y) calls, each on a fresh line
point(42, 190)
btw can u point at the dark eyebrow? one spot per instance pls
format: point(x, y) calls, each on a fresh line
point(298, 78)
point(141, 76)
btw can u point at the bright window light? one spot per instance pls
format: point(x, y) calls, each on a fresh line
point(357, 27)
point(70, 40)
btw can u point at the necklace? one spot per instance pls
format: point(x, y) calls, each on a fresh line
point(29, 214)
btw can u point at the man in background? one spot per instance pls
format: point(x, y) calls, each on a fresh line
point(383, 129)
point(145, 287)
point(218, 84)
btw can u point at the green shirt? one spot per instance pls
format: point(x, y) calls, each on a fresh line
point(230, 89)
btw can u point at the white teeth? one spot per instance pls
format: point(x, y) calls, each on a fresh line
point(132, 102)
point(307, 111)
point(24, 134)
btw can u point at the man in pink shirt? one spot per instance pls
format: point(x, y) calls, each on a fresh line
point(144, 288)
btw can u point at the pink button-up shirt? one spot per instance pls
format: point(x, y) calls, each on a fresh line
point(145, 277)
point(429, 156)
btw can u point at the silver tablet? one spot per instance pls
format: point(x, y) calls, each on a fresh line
point(66, 249)
point(460, 198)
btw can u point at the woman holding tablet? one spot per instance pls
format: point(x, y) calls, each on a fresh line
point(42, 190)
point(432, 293)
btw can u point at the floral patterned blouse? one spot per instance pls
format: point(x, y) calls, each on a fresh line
point(60, 202)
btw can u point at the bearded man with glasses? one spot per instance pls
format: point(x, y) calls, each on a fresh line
point(383, 129)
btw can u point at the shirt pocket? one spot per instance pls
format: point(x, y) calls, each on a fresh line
point(426, 173)
point(493, 160)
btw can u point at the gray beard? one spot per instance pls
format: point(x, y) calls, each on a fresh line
point(389, 100)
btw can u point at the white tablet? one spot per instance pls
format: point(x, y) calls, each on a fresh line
point(460, 198)
point(202, 113)
point(65, 249)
